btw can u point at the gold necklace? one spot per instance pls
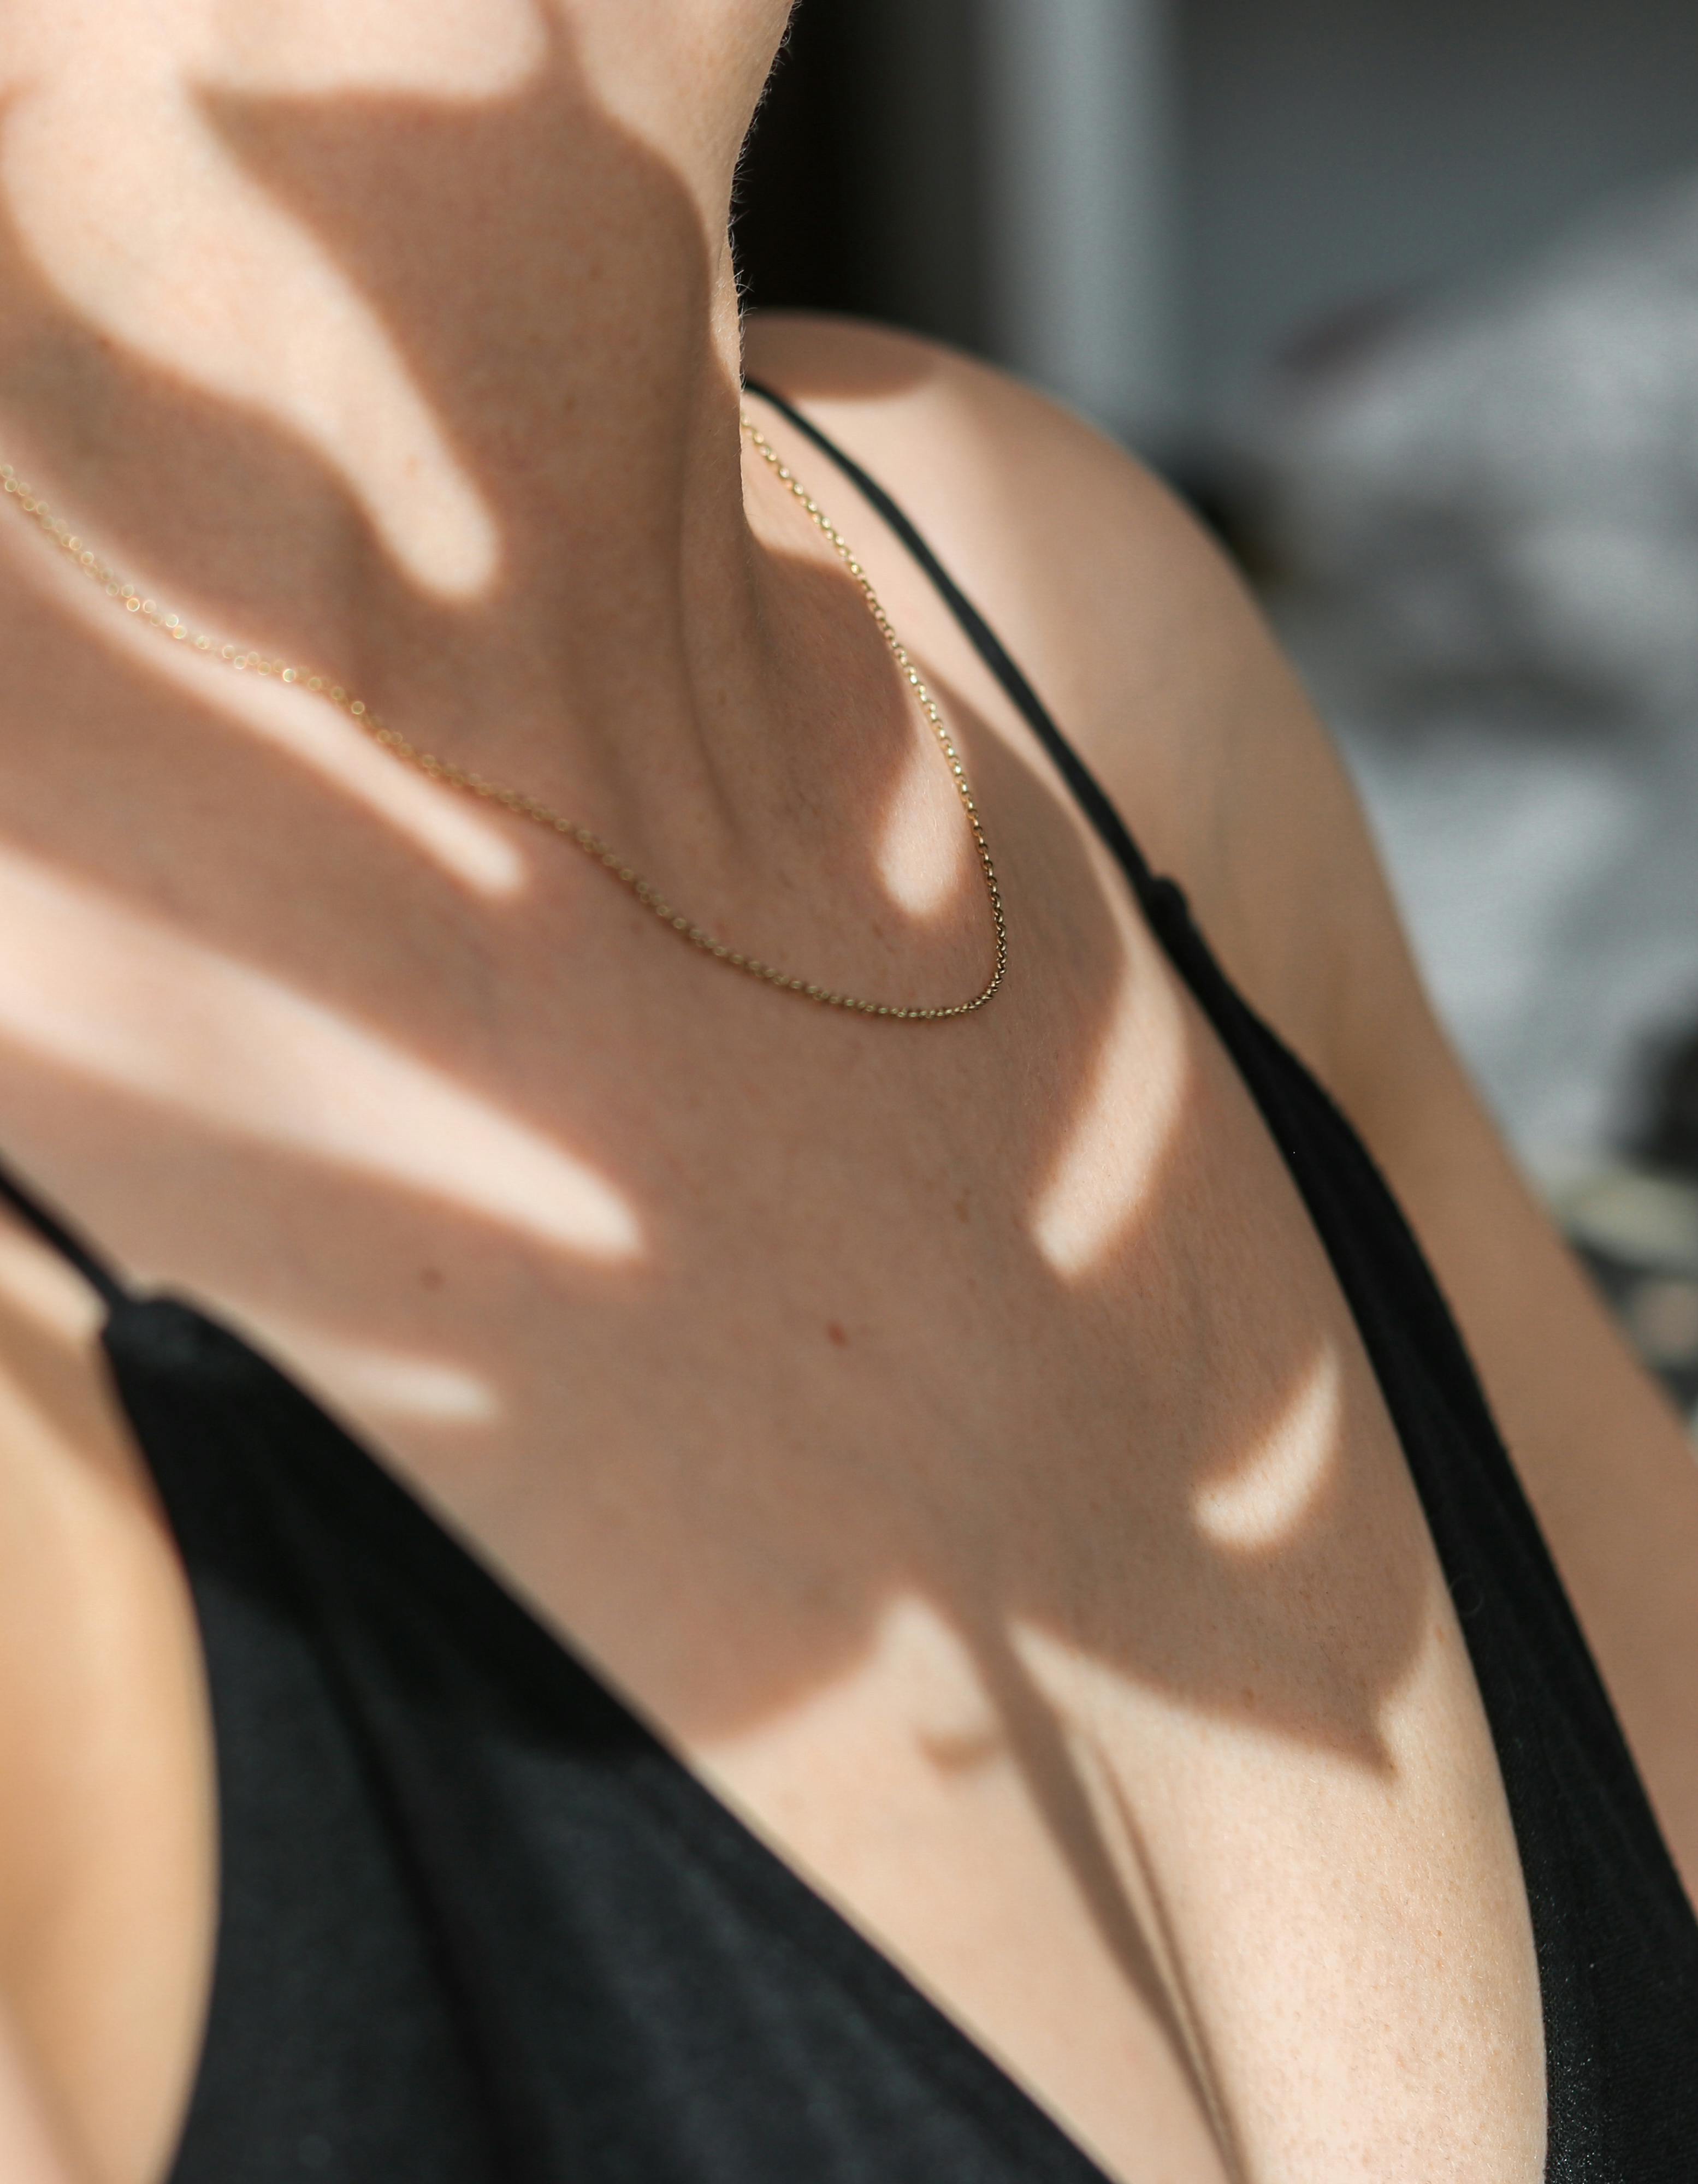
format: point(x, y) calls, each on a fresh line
point(525, 806)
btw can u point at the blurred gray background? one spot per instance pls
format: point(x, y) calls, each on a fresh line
point(1403, 294)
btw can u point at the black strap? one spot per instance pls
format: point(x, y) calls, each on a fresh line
point(989, 647)
point(65, 1241)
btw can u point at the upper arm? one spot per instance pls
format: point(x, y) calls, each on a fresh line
point(108, 1822)
point(1606, 1462)
point(1147, 648)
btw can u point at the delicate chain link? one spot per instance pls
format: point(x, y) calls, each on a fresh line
point(525, 806)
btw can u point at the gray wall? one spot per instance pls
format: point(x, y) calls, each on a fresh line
point(1140, 202)
point(1335, 150)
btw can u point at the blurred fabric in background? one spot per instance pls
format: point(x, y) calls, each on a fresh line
point(1404, 295)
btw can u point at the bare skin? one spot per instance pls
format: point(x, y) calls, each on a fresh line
point(969, 1462)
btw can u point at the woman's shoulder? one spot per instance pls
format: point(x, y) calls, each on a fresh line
point(1158, 665)
point(1090, 568)
point(1136, 631)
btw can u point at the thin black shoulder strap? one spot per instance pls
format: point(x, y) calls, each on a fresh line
point(988, 645)
point(64, 1240)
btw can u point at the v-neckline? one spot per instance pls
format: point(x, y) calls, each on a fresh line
point(453, 1560)
point(374, 1491)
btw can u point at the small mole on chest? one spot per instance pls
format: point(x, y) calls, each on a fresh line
point(836, 1335)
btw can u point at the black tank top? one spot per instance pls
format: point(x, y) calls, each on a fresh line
point(476, 1924)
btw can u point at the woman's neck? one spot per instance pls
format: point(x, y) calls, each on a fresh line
point(393, 337)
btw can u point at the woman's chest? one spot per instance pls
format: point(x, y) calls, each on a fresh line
point(978, 1480)
point(1026, 1551)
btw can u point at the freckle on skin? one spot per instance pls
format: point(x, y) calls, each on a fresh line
point(963, 1211)
point(836, 1335)
point(430, 1277)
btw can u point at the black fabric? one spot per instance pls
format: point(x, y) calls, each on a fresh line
point(477, 1924)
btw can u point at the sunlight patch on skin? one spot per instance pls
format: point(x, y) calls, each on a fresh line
point(1266, 1500)
point(955, 1721)
point(393, 1384)
point(916, 1665)
point(451, 830)
point(455, 50)
point(201, 258)
point(102, 989)
point(1117, 1142)
point(922, 854)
